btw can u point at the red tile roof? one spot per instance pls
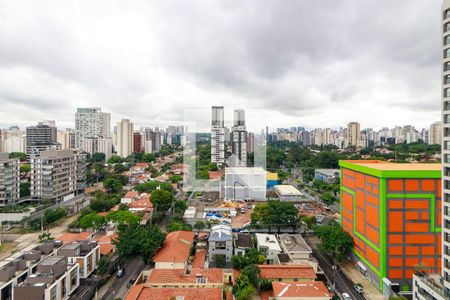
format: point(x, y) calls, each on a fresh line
point(174, 276)
point(105, 243)
point(142, 165)
point(176, 247)
point(68, 238)
point(131, 194)
point(199, 259)
point(140, 293)
point(287, 271)
point(142, 203)
point(300, 289)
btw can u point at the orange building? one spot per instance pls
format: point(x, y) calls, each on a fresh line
point(393, 212)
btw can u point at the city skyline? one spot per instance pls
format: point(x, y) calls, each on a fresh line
point(387, 65)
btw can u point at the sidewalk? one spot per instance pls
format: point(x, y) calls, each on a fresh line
point(370, 291)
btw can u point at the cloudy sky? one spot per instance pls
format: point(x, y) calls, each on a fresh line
point(293, 62)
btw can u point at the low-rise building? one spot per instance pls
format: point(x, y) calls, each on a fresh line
point(428, 286)
point(129, 196)
point(314, 290)
point(268, 245)
point(242, 243)
point(327, 175)
point(287, 273)
point(295, 246)
point(243, 183)
point(175, 251)
point(287, 192)
point(54, 279)
point(85, 253)
point(9, 180)
point(220, 243)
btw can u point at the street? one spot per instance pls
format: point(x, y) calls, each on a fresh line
point(117, 287)
point(342, 283)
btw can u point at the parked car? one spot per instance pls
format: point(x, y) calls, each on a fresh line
point(130, 283)
point(359, 288)
point(346, 296)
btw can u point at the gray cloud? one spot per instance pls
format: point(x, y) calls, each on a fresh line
point(319, 63)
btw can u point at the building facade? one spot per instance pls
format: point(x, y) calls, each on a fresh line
point(220, 243)
point(124, 147)
point(217, 135)
point(245, 183)
point(91, 123)
point(98, 145)
point(353, 134)
point(41, 138)
point(393, 213)
point(435, 134)
point(239, 140)
point(9, 180)
point(56, 175)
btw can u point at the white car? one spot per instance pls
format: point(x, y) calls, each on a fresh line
point(346, 296)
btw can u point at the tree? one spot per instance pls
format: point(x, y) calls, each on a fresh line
point(202, 174)
point(25, 189)
point(212, 167)
point(148, 157)
point(103, 264)
point(252, 272)
point(139, 240)
point(25, 169)
point(18, 155)
point(176, 224)
point(199, 225)
point(45, 236)
point(252, 257)
point(114, 159)
point(120, 168)
point(275, 212)
point(123, 217)
point(175, 178)
point(309, 221)
point(180, 206)
point(244, 289)
point(92, 220)
point(334, 241)
point(328, 198)
point(162, 199)
point(112, 185)
point(102, 202)
point(98, 157)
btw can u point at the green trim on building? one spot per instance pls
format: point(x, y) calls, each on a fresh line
point(390, 173)
point(383, 231)
point(432, 198)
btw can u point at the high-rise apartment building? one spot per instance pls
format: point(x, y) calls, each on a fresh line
point(98, 145)
point(41, 138)
point(239, 139)
point(9, 180)
point(353, 134)
point(91, 123)
point(138, 145)
point(250, 142)
point(435, 134)
point(57, 175)
point(14, 141)
point(66, 138)
point(124, 146)
point(217, 135)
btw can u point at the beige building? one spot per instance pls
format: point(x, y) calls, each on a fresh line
point(353, 134)
point(85, 253)
point(435, 134)
point(98, 145)
point(57, 175)
point(125, 131)
point(9, 180)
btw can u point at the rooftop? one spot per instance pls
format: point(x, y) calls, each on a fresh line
point(131, 194)
point(296, 289)
point(199, 276)
point(244, 240)
point(268, 240)
point(68, 238)
point(199, 259)
point(294, 243)
point(287, 190)
point(287, 271)
point(220, 233)
point(139, 292)
point(245, 170)
point(176, 247)
point(386, 169)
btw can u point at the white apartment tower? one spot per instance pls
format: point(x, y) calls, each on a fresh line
point(91, 123)
point(125, 131)
point(353, 134)
point(239, 139)
point(435, 134)
point(217, 135)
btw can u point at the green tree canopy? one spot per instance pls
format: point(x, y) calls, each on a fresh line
point(123, 217)
point(92, 220)
point(20, 155)
point(162, 199)
point(334, 241)
point(275, 212)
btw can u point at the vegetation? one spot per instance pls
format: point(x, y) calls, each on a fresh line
point(252, 257)
point(92, 220)
point(334, 241)
point(150, 186)
point(139, 240)
point(275, 213)
point(252, 272)
point(20, 155)
point(177, 223)
point(103, 202)
point(162, 200)
point(244, 290)
point(123, 218)
point(25, 189)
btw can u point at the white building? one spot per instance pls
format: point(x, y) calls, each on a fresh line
point(217, 135)
point(91, 122)
point(66, 138)
point(287, 192)
point(353, 134)
point(125, 131)
point(14, 141)
point(245, 183)
point(435, 134)
point(9, 179)
point(220, 242)
point(239, 140)
point(268, 245)
point(98, 145)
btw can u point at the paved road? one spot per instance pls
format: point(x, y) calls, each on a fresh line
point(338, 277)
point(118, 286)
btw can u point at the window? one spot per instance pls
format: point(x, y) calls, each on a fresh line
point(447, 79)
point(446, 14)
point(447, 53)
point(446, 132)
point(446, 66)
point(446, 27)
point(53, 293)
point(447, 92)
point(447, 40)
point(446, 158)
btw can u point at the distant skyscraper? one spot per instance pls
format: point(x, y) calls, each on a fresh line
point(41, 138)
point(66, 138)
point(9, 180)
point(239, 139)
point(435, 134)
point(217, 135)
point(353, 134)
point(137, 142)
point(250, 142)
point(124, 138)
point(98, 145)
point(91, 123)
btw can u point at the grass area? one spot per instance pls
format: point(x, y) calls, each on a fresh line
point(7, 247)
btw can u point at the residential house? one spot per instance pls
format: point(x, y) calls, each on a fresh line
point(242, 243)
point(300, 273)
point(129, 197)
point(268, 245)
point(85, 253)
point(220, 243)
point(314, 290)
point(175, 251)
